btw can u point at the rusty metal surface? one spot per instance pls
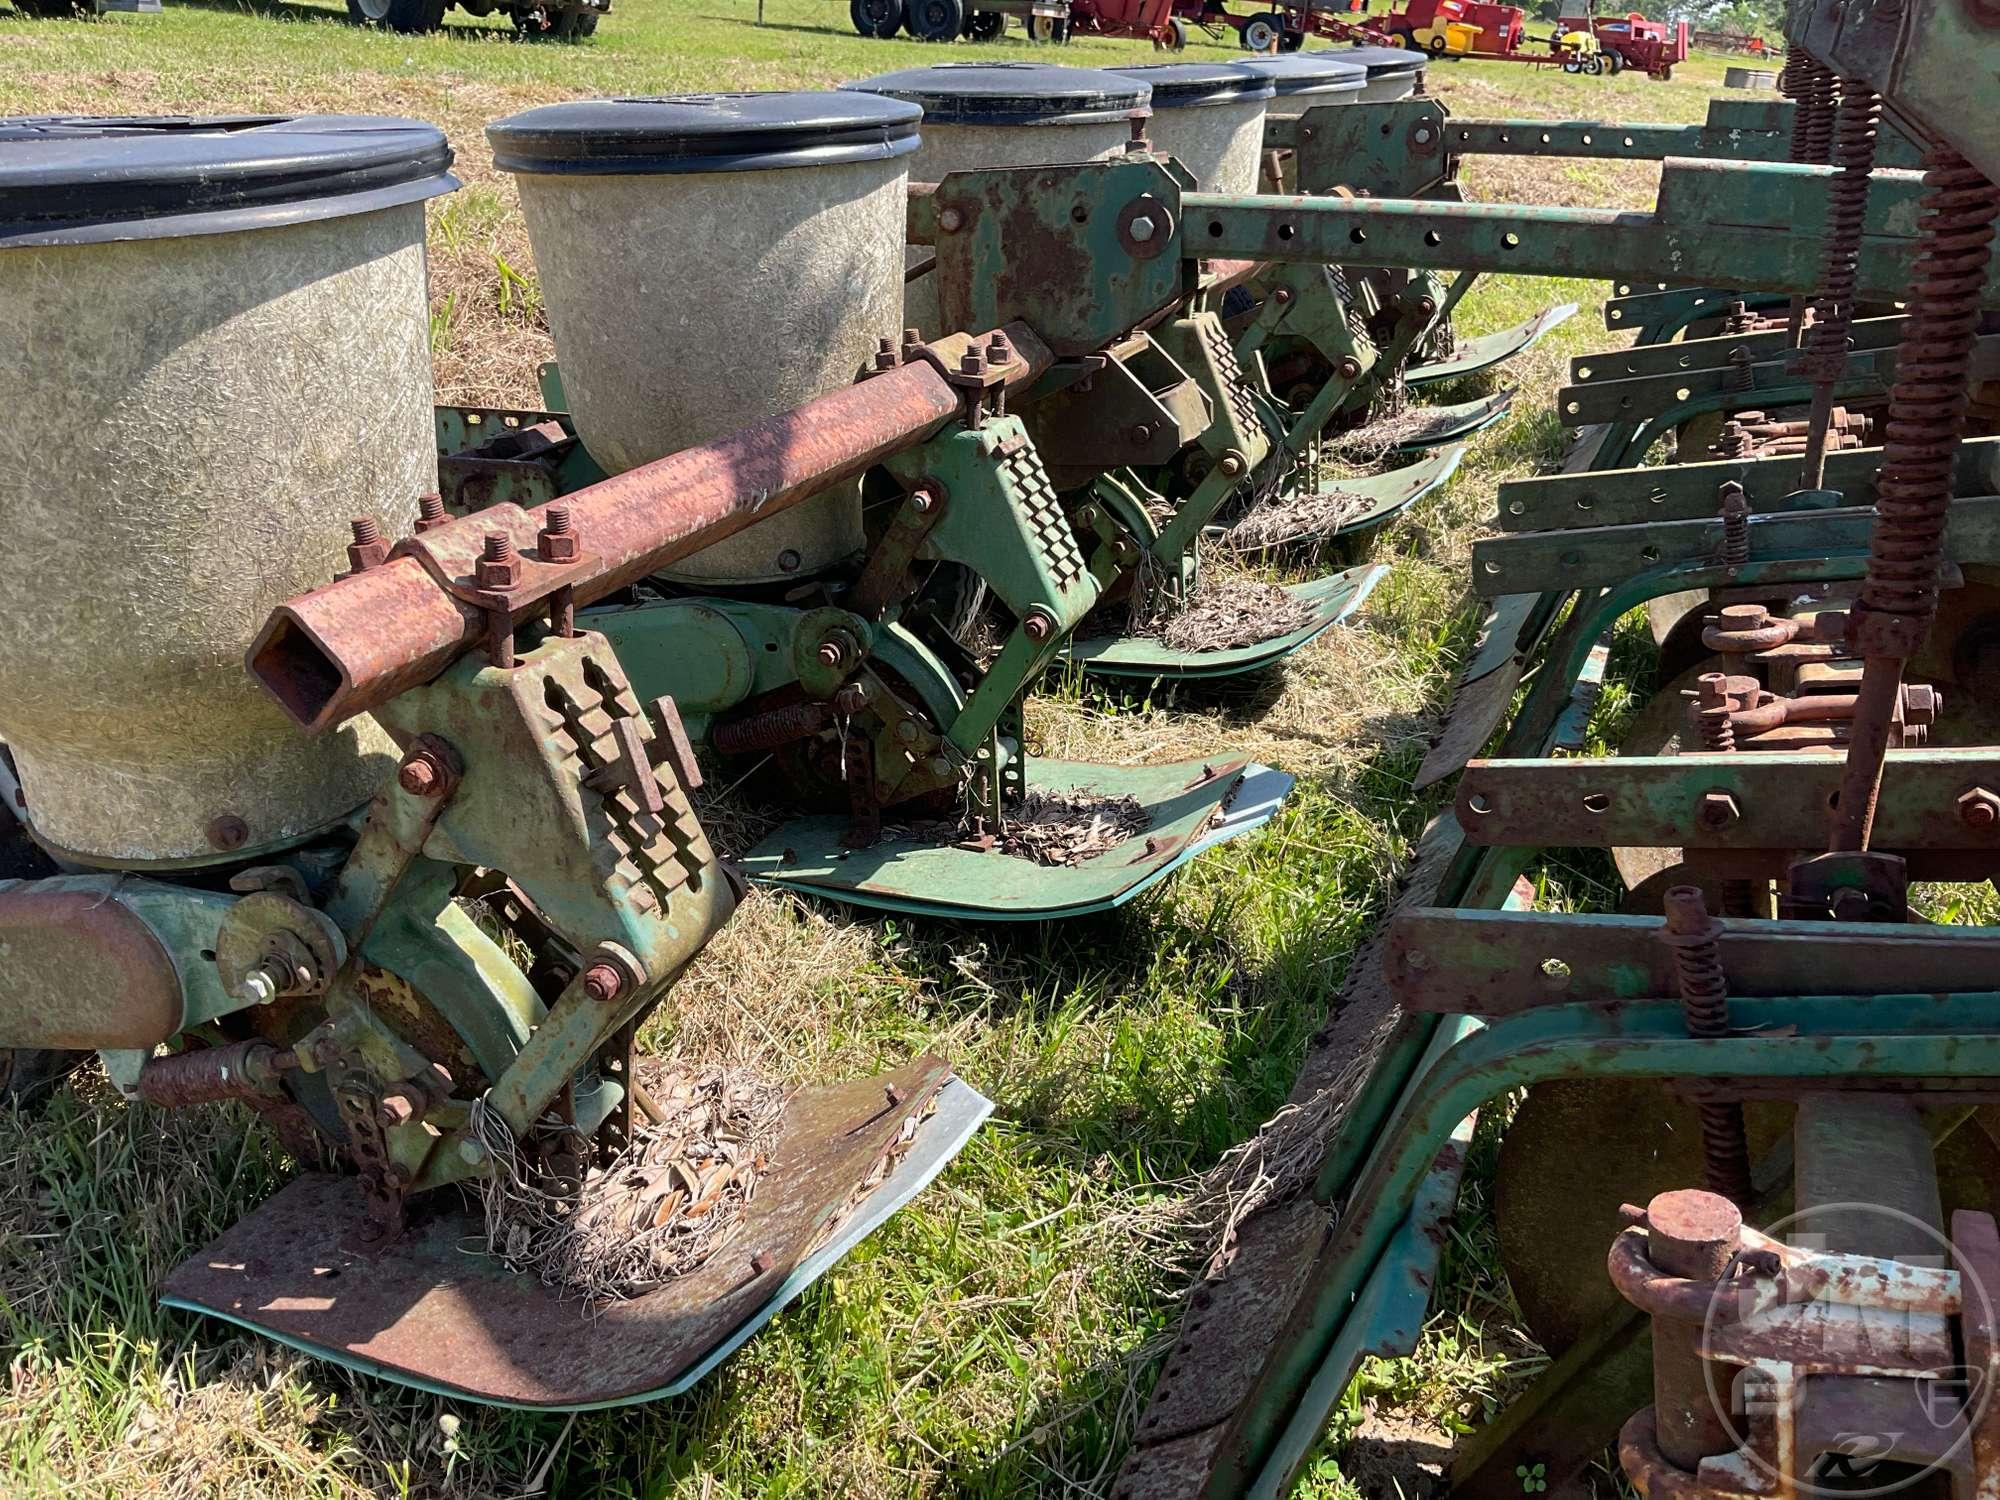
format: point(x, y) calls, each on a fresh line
point(356, 643)
point(426, 1310)
point(83, 971)
point(1495, 963)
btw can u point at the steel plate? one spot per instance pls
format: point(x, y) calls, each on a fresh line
point(434, 1311)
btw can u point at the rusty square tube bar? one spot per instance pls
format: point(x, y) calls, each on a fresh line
point(355, 643)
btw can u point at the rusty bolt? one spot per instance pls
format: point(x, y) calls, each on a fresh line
point(394, 1110)
point(603, 982)
point(228, 832)
point(831, 654)
point(852, 698)
point(788, 561)
point(950, 220)
point(1087, 516)
point(1231, 464)
point(1979, 808)
point(367, 550)
point(1038, 625)
point(1717, 810)
point(1922, 703)
point(1426, 307)
point(921, 501)
point(998, 351)
point(557, 541)
point(1350, 368)
point(430, 512)
point(418, 776)
point(1282, 295)
point(885, 354)
point(498, 567)
point(972, 362)
point(1141, 432)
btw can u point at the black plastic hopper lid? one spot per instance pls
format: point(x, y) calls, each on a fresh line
point(71, 180)
point(703, 133)
point(1009, 93)
point(1380, 60)
point(1308, 72)
point(1188, 85)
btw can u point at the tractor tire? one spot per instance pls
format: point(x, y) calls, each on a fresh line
point(563, 26)
point(876, 18)
point(935, 20)
point(1291, 41)
point(407, 16)
point(1594, 66)
point(1666, 74)
point(1615, 63)
point(1572, 67)
point(985, 25)
point(1263, 31)
point(1053, 30)
point(1436, 46)
point(1176, 38)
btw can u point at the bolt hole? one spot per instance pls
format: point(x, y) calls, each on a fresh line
point(1682, 394)
point(1649, 554)
point(1358, 235)
point(208, 954)
point(1583, 372)
point(1571, 559)
point(1597, 802)
point(1556, 972)
point(1586, 502)
point(1287, 231)
point(1510, 242)
point(1215, 229)
point(1479, 802)
point(1081, 213)
point(1416, 958)
point(1516, 508)
point(1546, 138)
point(1433, 238)
point(1586, 140)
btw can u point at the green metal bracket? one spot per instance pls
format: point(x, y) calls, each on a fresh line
point(1691, 355)
point(1082, 255)
point(1687, 492)
point(1780, 802)
point(559, 793)
point(1610, 556)
point(1236, 439)
point(1656, 316)
point(1761, 224)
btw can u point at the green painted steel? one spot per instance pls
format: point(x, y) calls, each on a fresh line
point(1485, 350)
point(1718, 352)
point(919, 873)
point(1788, 545)
point(1655, 317)
point(1761, 224)
point(1687, 492)
point(1332, 599)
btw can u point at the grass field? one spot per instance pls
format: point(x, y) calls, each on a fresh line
point(999, 1336)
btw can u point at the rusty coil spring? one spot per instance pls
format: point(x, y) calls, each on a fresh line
point(769, 730)
point(1927, 404)
point(1692, 934)
point(1711, 719)
point(1814, 89)
point(1860, 116)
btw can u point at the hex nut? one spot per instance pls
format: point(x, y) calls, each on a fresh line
point(603, 982)
point(1979, 808)
point(1718, 810)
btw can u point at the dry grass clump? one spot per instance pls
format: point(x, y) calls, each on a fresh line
point(1228, 613)
point(660, 1209)
point(1283, 520)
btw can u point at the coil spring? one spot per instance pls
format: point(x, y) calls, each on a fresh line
point(1927, 403)
point(1859, 119)
point(1734, 441)
point(1705, 1004)
point(1813, 88)
point(769, 730)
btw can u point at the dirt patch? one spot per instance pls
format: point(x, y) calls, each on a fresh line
point(663, 1206)
point(1050, 828)
point(1283, 520)
point(1395, 1458)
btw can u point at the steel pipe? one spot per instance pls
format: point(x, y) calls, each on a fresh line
point(357, 642)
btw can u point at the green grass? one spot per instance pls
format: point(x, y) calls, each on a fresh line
point(998, 1337)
